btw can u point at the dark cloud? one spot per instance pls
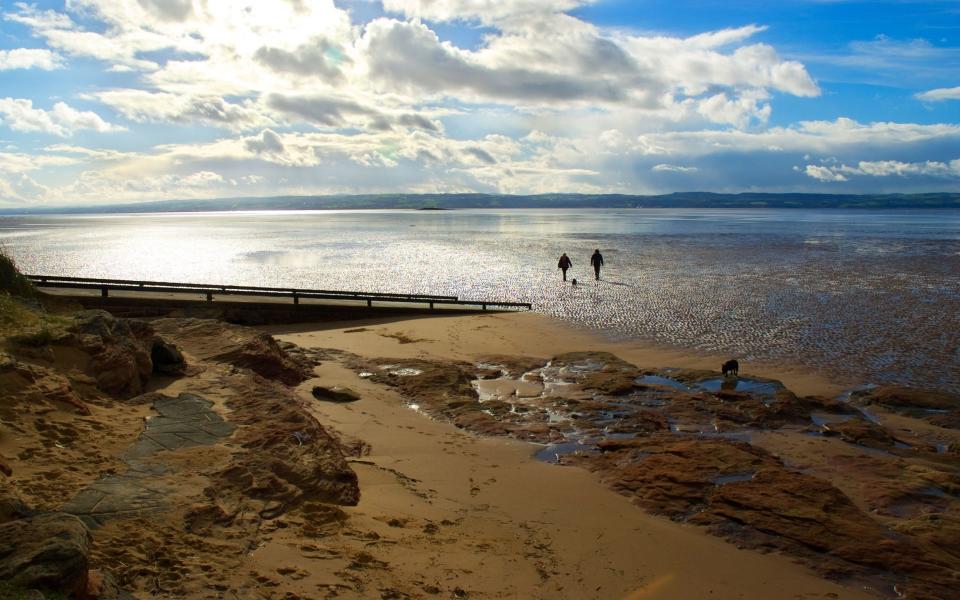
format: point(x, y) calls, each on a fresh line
point(319, 110)
point(480, 154)
point(319, 58)
point(168, 10)
point(417, 122)
point(268, 141)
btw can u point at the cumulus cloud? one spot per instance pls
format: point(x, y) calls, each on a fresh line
point(287, 48)
point(411, 57)
point(294, 97)
point(63, 120)
point(162, 107)
point(940, 94)
point(29, 58)
point(267, 142)
point(823, 173)
point(741, 111)
point(886, 168)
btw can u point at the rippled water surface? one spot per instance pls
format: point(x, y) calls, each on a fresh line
point(866, 294)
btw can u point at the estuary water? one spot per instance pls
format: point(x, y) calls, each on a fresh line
point(873, 296)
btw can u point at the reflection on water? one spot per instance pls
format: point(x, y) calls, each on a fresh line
point(872, 295)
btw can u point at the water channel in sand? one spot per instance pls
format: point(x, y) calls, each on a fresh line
point(869, 296)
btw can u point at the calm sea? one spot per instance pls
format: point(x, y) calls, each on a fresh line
point(870, 295)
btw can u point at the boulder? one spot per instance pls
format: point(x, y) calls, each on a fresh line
point(48, 552)
point(335, 394)
point(167, 358)
point(119, 351)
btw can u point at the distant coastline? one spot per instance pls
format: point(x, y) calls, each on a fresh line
point(935, 200)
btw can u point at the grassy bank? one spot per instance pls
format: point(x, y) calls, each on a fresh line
point(22, 322)
point(12, 282)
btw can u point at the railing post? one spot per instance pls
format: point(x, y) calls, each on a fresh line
point(431, 306)
point(296, 298)
point(484, 306)
point(369, 303)
point(103, 292)
point(209, 296)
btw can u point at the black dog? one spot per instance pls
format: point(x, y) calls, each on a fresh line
point(730, 367)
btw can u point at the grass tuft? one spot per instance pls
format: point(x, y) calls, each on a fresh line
point(11, 280)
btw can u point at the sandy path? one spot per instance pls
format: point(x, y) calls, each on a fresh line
point(445, 513)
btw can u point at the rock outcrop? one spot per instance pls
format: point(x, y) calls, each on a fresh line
point(286, 459)
point(681, 444)
point(241, 347)
point(38, 386)
point(934, 406)
point(121, 352)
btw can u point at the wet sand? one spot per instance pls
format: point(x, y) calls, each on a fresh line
point(525, 334)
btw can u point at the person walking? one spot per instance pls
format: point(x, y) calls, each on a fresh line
point(564, 264)
point(597, 261)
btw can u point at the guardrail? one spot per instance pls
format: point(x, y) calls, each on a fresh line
point(105, 286)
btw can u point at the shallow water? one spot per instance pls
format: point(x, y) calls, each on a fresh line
point(870, 296)
point(740, 384)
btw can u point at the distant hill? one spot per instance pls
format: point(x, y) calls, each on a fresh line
point(455, 201)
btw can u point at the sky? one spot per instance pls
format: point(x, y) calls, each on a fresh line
point(115, 101)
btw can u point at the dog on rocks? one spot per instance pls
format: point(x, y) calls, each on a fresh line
point(731, 367)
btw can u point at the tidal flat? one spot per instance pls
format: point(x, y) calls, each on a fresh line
point(865, 296)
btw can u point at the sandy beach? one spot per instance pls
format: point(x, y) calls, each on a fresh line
point(452, 510)
point(367, 459)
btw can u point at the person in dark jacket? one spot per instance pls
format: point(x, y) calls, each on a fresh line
point(564, 264)
point(597, 261)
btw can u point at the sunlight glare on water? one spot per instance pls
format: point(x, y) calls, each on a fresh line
point(868, 294)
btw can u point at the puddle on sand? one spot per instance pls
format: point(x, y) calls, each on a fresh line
point(553, 452)
point(741, 384)
point(662, 381)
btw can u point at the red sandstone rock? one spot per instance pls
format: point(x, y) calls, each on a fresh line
point(242, 347)
point(22, 382)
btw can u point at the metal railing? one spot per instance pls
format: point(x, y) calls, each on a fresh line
point(105, 286)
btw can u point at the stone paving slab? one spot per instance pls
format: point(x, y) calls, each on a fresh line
point(185, 421)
